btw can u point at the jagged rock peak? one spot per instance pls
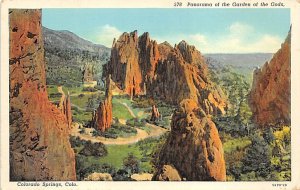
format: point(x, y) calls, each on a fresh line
point(190, 53)
point(142, 65)
point(166, 44)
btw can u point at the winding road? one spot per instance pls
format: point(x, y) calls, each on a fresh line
point(155, 131)
point(141, 135)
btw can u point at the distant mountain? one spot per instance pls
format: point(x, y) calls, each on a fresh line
point(250, 60)
point(66, 54)
point(241, 63)
point(65, 39)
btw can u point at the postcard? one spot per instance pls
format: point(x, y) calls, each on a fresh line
point(143, 95)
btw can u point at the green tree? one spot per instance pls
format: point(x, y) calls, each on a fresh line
point(258, 157)
point(94, 149)
point(131, 164)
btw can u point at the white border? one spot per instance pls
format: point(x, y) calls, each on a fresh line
point(295, 93)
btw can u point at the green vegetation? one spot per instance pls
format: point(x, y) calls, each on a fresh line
point(117, 130)
point(53, 93)
point(251, 153)
point(93, 149)
point(141, 124)
point(120, 111)
point(236, 144)
point(120, 160)
point(165, 110)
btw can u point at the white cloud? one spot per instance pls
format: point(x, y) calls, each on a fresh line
point(106, 34)
point(239, 38)
point(239, 30)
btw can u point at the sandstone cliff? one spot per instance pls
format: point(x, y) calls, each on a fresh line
point(103, 116)
point(193, 147)
point(270, 96)
point(139, 65)
point(39, 136)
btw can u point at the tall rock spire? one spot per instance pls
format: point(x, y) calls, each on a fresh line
point(102, 118)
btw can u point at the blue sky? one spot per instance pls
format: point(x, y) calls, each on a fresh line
point(210, 30)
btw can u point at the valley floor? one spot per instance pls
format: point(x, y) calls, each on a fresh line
point(155, 131)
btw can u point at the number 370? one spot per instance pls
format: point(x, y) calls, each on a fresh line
point(177, 4)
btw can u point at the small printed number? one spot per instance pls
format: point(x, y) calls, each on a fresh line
point(177, 4)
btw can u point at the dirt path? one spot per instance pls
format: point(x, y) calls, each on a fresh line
point(129, 109)
point(155, 131)
point(141, 135)
point(84, 92)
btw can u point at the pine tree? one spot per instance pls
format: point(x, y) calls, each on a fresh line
point(258, 158)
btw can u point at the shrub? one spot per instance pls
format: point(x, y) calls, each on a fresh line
point(131, 164)
point(94, 149)
point(76, 141)
point(80, 95)
point(89, 89)
point(115, 131)
point(121, 175)
point(257, 158)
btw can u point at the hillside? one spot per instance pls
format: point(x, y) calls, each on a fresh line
point(241, 63)
point(66, 54)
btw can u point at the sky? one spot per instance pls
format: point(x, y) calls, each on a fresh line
point(210, 30)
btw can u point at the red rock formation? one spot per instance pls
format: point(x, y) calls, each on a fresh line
point(67, 110)
point(140, 65)
point(193, 146)
point(103, 116)
point(65, 106)
point(185, 74)
point(124, 64)
point(39, 136)
point(155, 113)
point(270, 97)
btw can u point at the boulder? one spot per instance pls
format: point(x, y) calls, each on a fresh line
point(141, 177)
point(167, 173)
point(98, 177)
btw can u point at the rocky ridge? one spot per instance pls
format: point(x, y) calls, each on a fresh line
point(66, 55)
point(39, 144)
point(270, 96)
point(139, 66)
